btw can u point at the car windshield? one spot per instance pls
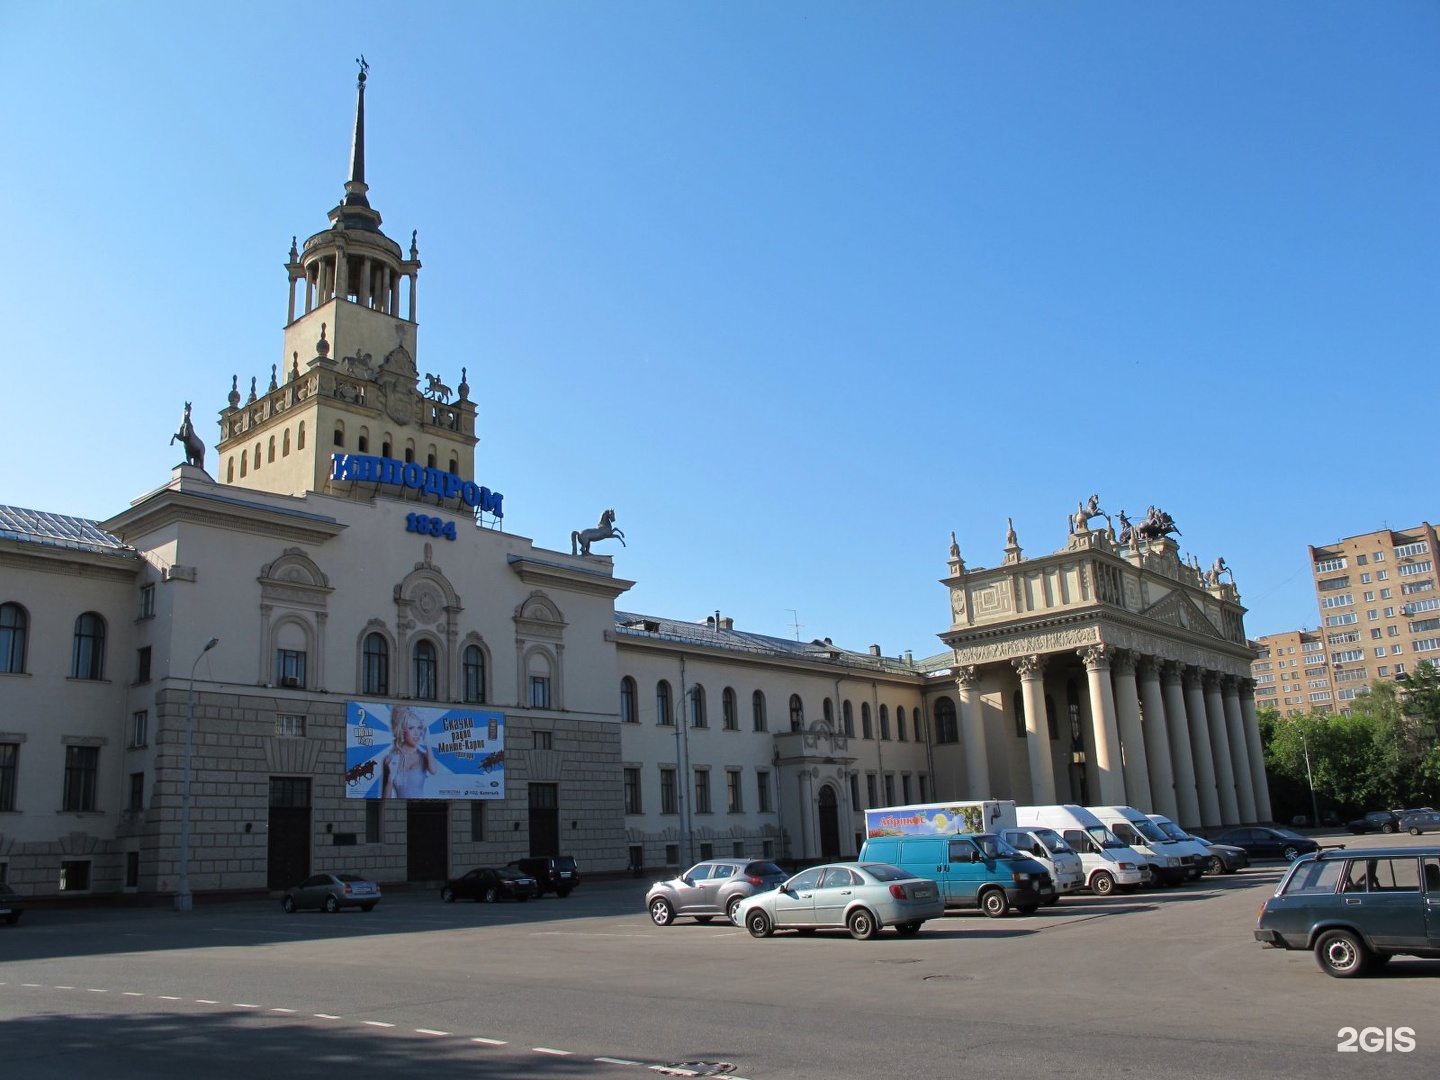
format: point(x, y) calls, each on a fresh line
point(1171, 830)
point(1104, 837)
point(763, 869)
point(994, 847)
point(1149, 831)
point(886, 872)
point(1052, 840)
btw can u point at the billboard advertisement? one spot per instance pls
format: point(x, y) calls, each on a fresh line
point(412, 752)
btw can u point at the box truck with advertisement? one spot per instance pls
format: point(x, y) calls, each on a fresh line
point(1109, 865)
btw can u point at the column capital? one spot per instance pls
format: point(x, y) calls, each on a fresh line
point(1029, 667)
point(1096, 656)
point(1171, 670)
point(967, 676)
point(1124, 663)
point(1147, 667)
point(1192, 677)
point(1211, 681)
point(1230, 685)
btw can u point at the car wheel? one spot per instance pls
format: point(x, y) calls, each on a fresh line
point(289, 905)
point(909, 929)
point(733, 907)
point(1387, 828)
point(1217, 865)
point(1291, 853)
point(662, 912)
point(1103, 883)
point(1414, 830)
point(367, 907)
point(1342, 954)
point(758, 923)
point(862, 924)
point(331, 905)
point(447, 894)
point(491, 895)
point(994, 903)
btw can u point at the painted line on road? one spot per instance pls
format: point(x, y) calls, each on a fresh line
point(283, 1010)
point(550, 1050)
point(430, 1031)
point(489, 1042)
point(64, 988)
point(618, 1061)
point(94, 990)
point(243, 1005)
point(131, 993)
point(168, 997)
point(205, 1001)
point(326, 1016)
point(377, 1023)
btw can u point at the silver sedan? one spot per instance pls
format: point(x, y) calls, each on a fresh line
point(859, 897)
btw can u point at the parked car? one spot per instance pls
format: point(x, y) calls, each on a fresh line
point(1381, 821)
point(1265, 843)
point(710, 888)
point(1224, 858)
point(1356, 909)
point(11, 905)
point(490, 885)
point(331, 892)
point(860, 897)
point(1419, 821)
point(555, 873)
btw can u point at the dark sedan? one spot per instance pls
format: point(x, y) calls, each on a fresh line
point(1416, 822)
point(491, 885)
point(1266, 843)
point(1381, 821)
point(11, 905)
point(1223, 858)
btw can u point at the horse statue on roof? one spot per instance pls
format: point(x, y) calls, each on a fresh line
point(581, 539)
point(1088, 511)
point(194, 448)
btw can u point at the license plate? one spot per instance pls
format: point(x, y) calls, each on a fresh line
point(924, 894)
point(4, 911)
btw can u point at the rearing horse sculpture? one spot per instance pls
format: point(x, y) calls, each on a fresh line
point(194, 448)
point(581, 539)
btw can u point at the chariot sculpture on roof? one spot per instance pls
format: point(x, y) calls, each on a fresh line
point(1157, 524)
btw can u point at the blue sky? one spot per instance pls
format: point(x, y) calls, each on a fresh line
point(797, 288)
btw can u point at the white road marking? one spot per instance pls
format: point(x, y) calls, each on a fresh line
point(377, 1023)
point(489, 1042)
point(326, 1016)
point(283, 1010)
point(205, 1001)
point(168, 997)
point(618, 1061)
point(548, 1050)
point(430, 1031)
point(92, 990)
point(131, 993)
point(242, 1005)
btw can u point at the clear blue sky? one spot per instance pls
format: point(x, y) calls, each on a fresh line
point(797, 288)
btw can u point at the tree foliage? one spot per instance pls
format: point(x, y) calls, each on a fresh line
point(1382, 755)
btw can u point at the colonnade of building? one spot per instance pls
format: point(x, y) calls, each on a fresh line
point(1191, 742)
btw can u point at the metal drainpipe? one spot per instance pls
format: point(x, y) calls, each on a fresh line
point(682, 742)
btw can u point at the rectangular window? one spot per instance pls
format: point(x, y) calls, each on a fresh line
point(290, 725)
point(702, 791)
point(132, 869)
point(1331, 584)
point(1413, 569)
point(142, 664)
point(1406, 550)
point(1361, 560)
point(667, 793)
point(905, 788)
point(1383, 670)
point(82, 771)
point(1416, 606)
point(922, 796)
point(762, 790)
point(147, 601)
point(737, 849)
point(733, 802)
point(75, 875)
point(1392, 631)
point(1429, 644)
point(632, 791)
point(477, 821)
point(1325, 566)
point(1345, 638)
point(672, 854)
point(1369, 596)
point(707, 851)
point(767, 849)
point(1410, 588)
point(9, 758)
point(872, 790)
point(1351, 675)
point(539, 691)
point(1385, 594)
point(889, 789)
point(373, 810)
point(1343, 619)
point(1348, 656)
point(290, 668)
point(1342, 600)
point(544, 740)
point(139, 727)
point(1364, 579)
point(137, 791)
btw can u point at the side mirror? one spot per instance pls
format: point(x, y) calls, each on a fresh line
point(687, 881)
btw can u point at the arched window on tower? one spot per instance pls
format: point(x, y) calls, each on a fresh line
point(87, 661)
point(257, 457)
point(14, 633)
point(230, 469)
point(797, 713)
point(628, 714)
point(270, 450)
point(362, 442)
point(244, 457)
point(285, 443)
point(847, 718)
point(427, 685)
point(757, 712)
point(300, 437)
point(339, 433)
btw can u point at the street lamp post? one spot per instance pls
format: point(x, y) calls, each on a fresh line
point(183, 900)
point(1314, 806)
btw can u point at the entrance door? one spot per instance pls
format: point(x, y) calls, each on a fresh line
point(829, 824)
point(544, 819)
point(288, 839)
point(427, 840)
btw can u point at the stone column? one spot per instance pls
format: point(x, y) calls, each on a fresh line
point(1199, 731)
point(413, 278)
point(807, 809)
point(972, 733)
point(312, 275)
point(1037, 731)
point(342, 274)
point(1132, 738)
point(1106, 734)
point(1239, 752)
point(290, 317)
point(1187, 800)
point(1257, 753)
point(365, 287)
point(1220, 750)
point(1157, 740)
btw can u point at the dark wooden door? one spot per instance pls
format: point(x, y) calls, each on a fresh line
point(288, 838)
point(544, 819)
point(427, 840)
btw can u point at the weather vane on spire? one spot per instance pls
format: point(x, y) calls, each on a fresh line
point(364, 67)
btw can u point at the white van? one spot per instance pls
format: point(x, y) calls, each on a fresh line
point(1168, 862)
point(1049, 848)
point(1184, 842)
point(1108, 864)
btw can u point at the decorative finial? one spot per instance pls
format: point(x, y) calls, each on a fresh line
point(294, 250)
point(234, 391)
point(273, 384)
point(364, 67)
point(414, 250)
point(252, 390)
point(464, 387)
point(294, 366)
point(322, 347)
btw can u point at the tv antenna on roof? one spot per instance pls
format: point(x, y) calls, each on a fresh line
point(794, 623)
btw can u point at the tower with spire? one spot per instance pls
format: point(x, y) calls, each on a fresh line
point(347, 381)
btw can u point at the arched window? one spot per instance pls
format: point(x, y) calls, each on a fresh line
point(426, 678)
point(663, 716)
point(88, 657)
point(14, 631)
point(757, 712)
point(628, 714)
point(729, 715)
point(827, 712)
point(410, 454)
point(455, 465)
point(257, 457)
point(698, 716)
point(362, 441)
point(430, 460)
point(244, 458)
point(867, 727)
point(385, 447)
point(285, 443)
point(540, 679)
point(339, 433)
point(899, 722)
point(270, 449)
point(884, 723)
point(230, 470)
point(797, 713)
point(375, 679)
point(300, 437)
point(847, 718)
point(472, 674)
point(947, 730)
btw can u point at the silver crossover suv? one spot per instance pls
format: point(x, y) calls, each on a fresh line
point(710, 888)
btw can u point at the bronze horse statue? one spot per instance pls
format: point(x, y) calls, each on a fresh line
point(581, 539)
point(194, 448)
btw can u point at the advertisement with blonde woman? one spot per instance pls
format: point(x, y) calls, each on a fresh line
point(411, 752)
